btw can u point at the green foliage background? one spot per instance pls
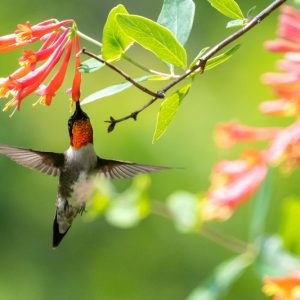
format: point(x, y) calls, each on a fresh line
point(152, 260)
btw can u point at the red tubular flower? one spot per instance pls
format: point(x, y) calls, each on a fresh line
point(37, 65)
point(27, 34)
point(280, 107)
point(286, 147)
point(286, 85)
point(283, 288)
point(77, 74)
point(228, 134)
point(233, 182)
point(48, 92)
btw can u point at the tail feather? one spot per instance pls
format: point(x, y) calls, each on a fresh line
point(57, 235)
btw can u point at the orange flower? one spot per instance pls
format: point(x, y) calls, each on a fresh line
point(48, 92)
point(227, 134)
point(283, 288)
point(37, 65)
point(286, 84)
point(77, 74)
point(280, 107)
point(286, 147)
point(233, 182)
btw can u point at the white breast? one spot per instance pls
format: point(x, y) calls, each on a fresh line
point(85, 157)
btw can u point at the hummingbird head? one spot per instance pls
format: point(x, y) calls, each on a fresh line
point(80, 128)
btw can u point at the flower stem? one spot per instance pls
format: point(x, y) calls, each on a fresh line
point(88, 38)
point(226, 241)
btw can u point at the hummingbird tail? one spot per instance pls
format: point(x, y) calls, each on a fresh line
point(57, 235)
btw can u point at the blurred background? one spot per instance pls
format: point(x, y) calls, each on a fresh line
point(152, 260)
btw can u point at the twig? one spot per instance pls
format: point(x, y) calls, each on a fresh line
point(201, 63)
point(157, 95)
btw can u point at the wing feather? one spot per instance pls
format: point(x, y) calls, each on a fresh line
point(117, 169)
point(46, 162)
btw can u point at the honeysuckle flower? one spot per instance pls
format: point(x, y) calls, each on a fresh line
point(27, 34)
point(285, 148)
point(228, 134)
point(283, 288)
point(31, 57)
point(77, 74)
point(37, 65)
point(280, 107)
point(48, 92)
point(233, 182)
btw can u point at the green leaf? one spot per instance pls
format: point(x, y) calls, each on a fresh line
point(115, 89)
point(130, 207)
point(219, 59)
point(198, 56)
point(222, 278)
point(90, 65)
point(184, 207)
point(236, 23)
point(178, 17)
point(290, 225)
point(115, 42)
point(274, 260)
point(262, 200)
point(168, 110)
point(229, 8)
point(153, 37)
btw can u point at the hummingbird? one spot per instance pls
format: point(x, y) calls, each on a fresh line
point(74, 167)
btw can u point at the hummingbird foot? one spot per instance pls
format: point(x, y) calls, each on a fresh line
point(82, 209)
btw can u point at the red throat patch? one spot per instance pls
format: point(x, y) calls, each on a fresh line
point(82, 133)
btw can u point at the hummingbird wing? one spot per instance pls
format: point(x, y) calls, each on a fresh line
point(117, 169)
point(45, 162)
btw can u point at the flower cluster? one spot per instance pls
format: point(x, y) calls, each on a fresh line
point(283, 288)
point(233, 182)
point(57, 42)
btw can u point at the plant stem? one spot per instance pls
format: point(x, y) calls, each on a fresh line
point(89, 39)
point(227, 241)
point(200, 64)
point(224, 240)
point(123, 74)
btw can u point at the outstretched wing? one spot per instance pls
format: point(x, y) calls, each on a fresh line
point(45, 162)
point(116, 169)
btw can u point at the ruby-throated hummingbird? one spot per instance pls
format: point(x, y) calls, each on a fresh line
point(74, 167)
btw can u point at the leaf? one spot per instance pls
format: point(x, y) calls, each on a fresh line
point(131, 206)
point(219, 59)
point(90, 65)
point(153, 37)
point(229, 8)
point(274, 260)
point(236, 23)
point(262, 200)
point(115, 89)
point(178, 17)
point(115, 42)
point(168, 110)
point(221, 279)
point(198, 56)
point(184, 208)
point(290, 225)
